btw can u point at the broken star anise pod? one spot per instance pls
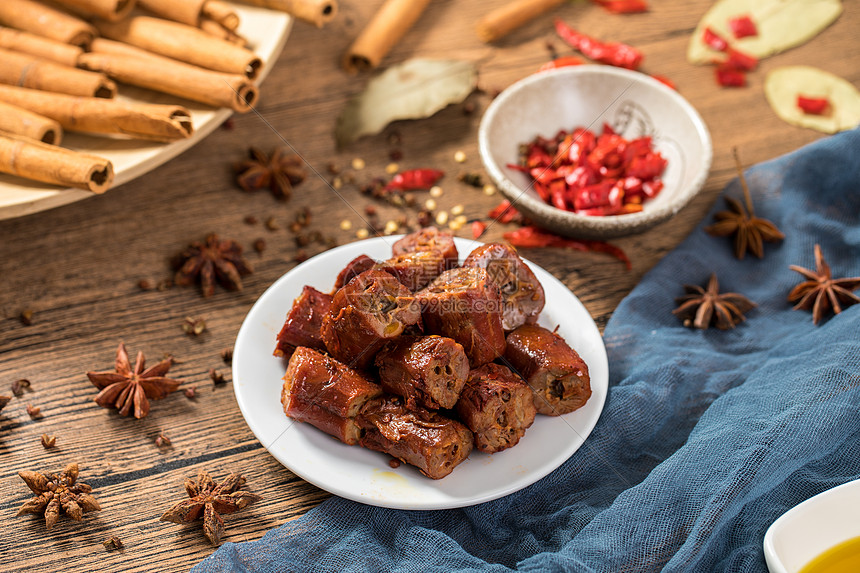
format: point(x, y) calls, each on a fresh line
point(280, 172)
point(211, 500)
point(56, 494)
point(130, 390)
point(209, 261)
point(702, 307)
point(821, 292)
point(750, 231)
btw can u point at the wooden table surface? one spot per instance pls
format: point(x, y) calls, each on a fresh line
point(77, 267)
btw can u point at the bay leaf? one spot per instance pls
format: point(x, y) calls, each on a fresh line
point(782, 24)
point(415, 89)
point(783, 85)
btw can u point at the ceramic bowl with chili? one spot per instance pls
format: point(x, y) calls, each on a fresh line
point(595, 151)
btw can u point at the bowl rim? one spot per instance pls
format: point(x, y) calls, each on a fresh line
point(628, 223)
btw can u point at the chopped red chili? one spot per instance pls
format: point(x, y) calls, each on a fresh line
point(534, 237)
point(590, 174)
point(624, 6)
point(813, 105)
point(561, 62)
point(505, 212)
point(665, 81)
point(743, 26)
point(414, 179)
point(478, 228)
point(740, 60)
point(612, 53)
point(730, 76)
point(714, 40)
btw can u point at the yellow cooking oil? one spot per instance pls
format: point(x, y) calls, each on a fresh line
point(841, 558)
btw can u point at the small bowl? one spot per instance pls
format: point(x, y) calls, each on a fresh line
point(812, 527)
point(633, 104)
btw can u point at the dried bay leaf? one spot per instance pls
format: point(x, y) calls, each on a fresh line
point(783, 85)
point(415, 89)
point(781, 24)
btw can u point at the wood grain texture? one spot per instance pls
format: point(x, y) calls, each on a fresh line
point(77, 267)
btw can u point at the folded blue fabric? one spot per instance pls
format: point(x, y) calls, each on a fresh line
point(706, 437)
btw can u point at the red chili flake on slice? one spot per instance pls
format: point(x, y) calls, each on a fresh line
point(612, 53)
point(742, 26)
point(714, 40)
point(813, 105)
point(624, 6)
point(740, 60)
point(414, 179)
point(730, 76)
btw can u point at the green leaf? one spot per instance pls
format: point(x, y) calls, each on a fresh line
point(415, 89)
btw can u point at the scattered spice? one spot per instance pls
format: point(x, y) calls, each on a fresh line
point(26, 317)
point(472, 179)
point(280, 173)
point(414, 179)
point(441, 217)
point(345, 225)
point(162, 440)
point(704, 307)
point(211, 500)
point(430, 204)
point(595, 175)
point(822, 293)
point(259, 245)
point(56, 494)
point(34, 412)
point(478, 229)
point(460, 156)
point(750, 231)
point(358, 164)
point(251, 220)
point(145, 284)
point(18, 386)
point(394, 463)
point(48, 442)
point(216, 376)
point(272, 224)
point(3, 401)
point(301, 256)
point(436, 191)
point(163, 285)
point(191, 392)
point(612, 53)
point(210, 261)
point(489, 190)
point(534, 237)
point(813, 105)
point(127, 389)
point(193, 326)
point(112, 543)
point(227, 355)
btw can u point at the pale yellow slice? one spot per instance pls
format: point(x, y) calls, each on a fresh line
point(783, 85)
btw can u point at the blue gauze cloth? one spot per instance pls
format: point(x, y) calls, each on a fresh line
point(706, 437)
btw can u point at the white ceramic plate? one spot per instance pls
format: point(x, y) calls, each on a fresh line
point(812, 527)
point(364, 475)
point(266, 31)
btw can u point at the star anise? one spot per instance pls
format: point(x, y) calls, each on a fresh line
point(280, 172)
point(4, 400)
point(822, 292)
point(56, 494)
point(126, 388)
point(750, 231)
point(702, 307)
point(209, 261)
point(211, 500)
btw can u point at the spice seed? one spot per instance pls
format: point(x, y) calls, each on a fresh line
point(459, 157)
point(26, 317)
point(346, 224)
point(358, 163)
point(113, 543)
point(457, 210)
point(337, 183)
point(48, 442)
point(436, 191)
point(455, 225)
point(441, 217)
point(489, 190)
point(391, 227)
point(392, 168)
point(362, 234)
point(430, 205)
point(462, 219)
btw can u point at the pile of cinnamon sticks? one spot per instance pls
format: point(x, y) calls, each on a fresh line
point(59, 62)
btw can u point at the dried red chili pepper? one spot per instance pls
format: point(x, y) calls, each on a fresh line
point(561, 62)
point(730, 76)
point(505, 212)
point(478, 228)
point(612, 53)
point(813, 105)
point(743, 26)
point(534, 237)
point(714, 40)
point(414, 179)
point(624, 6)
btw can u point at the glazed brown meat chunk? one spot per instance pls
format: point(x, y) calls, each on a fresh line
point(354, 268)
point(497, 406)
point(555, 372)
point(522, 294)
point(429, 239)
point(323, 392)
point(415, 270)
point(302, 327)
point(368, 311)
point(465, 305)
point(432, 443)
point(428, 371)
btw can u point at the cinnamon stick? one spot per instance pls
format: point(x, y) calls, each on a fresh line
point(105, 116)
point(185, 11)
point(505, 19)
point(183, 42)
point(55, 165)
point(217, 30)
point(222, 13)
point(44, 48)
point(382, 33)
point(19, 121)
point(134, 66)
point(47, 21)
point(112, 10)
point(28, 71)
point(316, 12)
